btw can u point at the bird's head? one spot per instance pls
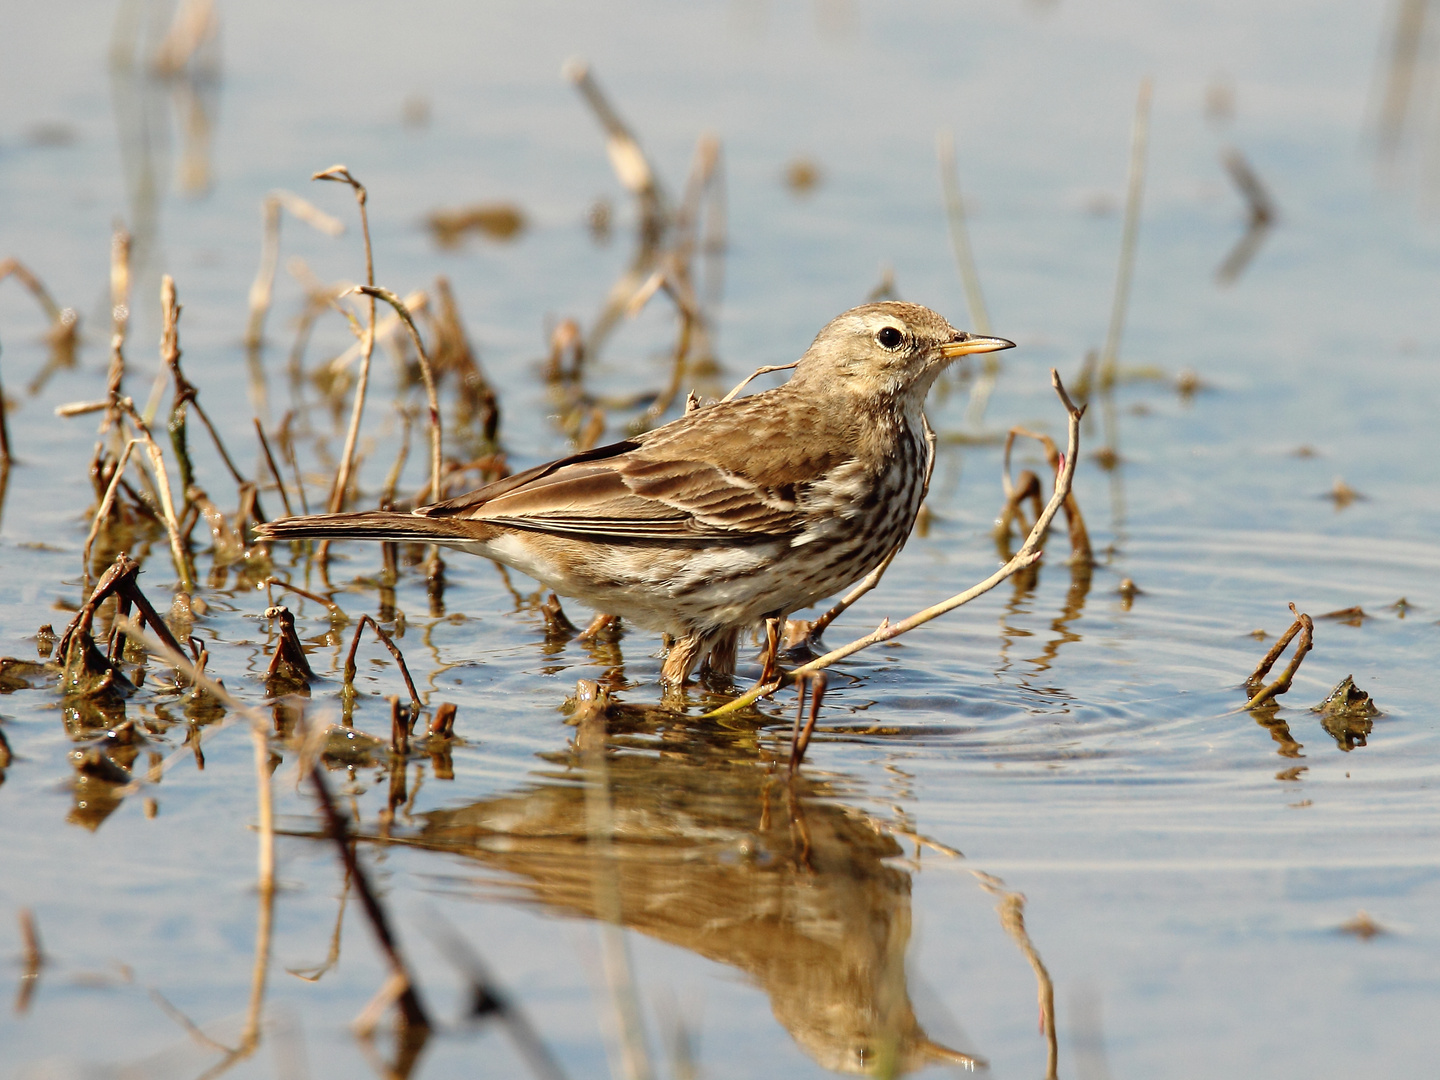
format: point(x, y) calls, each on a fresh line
point(889, 349)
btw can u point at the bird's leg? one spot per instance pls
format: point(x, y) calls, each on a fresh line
point(601, 627)
point(721, 659)
point(770, 669)
point(682, 658)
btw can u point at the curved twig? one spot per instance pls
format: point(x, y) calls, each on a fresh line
point(1028, 555)
point(394, 651)
point(426, 371)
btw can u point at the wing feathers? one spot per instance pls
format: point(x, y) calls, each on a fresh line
point(665, 485)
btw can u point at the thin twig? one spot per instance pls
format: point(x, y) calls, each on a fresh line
point(330, 605)
point(1028, 555)
point(755, 375)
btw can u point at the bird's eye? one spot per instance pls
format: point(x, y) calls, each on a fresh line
point(889, 337)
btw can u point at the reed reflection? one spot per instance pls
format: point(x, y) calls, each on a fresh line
point(711, 848)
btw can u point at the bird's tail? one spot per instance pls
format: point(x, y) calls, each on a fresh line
point(365, 525)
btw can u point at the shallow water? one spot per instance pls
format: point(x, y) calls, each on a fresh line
point(1186, 867)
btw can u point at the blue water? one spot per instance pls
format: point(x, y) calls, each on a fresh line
point(1186, 871)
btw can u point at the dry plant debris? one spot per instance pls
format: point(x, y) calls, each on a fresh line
point(1262, 694)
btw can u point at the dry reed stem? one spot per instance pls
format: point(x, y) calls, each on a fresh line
point(262, 289)
point(1028, 555)
point(340, 174)
point(265, 914)
point(1130, 234)
point(194, 25)
point(399, 728)
point(426, 371)
point(162, 485)
point(626, 158)
point(119, 579)
point(442, 724)
point(103, 511)
point(349, 676)
point(289, 653)
point(58, 316)
point(274, 471)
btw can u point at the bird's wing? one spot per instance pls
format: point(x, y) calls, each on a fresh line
point(663, 486)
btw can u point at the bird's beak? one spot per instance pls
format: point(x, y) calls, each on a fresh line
point(973, 343)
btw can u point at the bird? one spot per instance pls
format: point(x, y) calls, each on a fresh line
point(740, 512)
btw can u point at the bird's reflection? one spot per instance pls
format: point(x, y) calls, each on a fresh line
point(711, 850)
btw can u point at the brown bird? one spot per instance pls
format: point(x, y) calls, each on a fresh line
point(740, 511)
